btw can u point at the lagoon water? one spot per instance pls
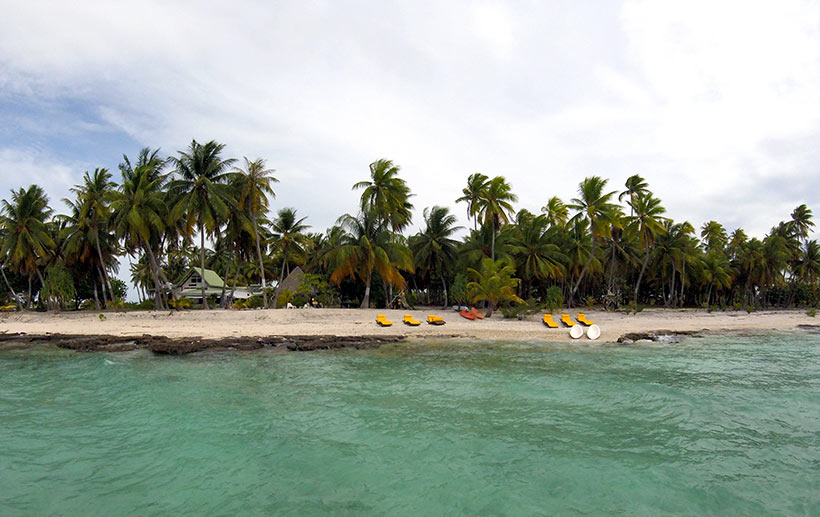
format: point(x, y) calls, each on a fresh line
point(718, 425)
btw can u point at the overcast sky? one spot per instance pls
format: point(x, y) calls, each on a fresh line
point(716, 104)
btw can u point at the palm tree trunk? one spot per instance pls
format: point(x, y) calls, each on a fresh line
point(640, 276)
point(581, 277)
point(366, 299)
point(281, 276)
point(492, 245)
point(153, 266)
point(444, 284)
point(202, 264)
point(222, 299)
point(102, 286)
point(235, 278)
point(30, 293)
point(42, 285)
point(102, 267)
point(671, 286)
point(11, 289)
point(259, 257)
point(96, 298)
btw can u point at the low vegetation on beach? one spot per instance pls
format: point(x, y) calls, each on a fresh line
point(609, 247)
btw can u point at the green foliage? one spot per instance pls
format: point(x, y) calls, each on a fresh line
point(284, 298)
point(240, 304)
point(493, 284)
point(554, 298)
point(458, 289)
point(521, 310)
point(145, 305)
point(119, 287)
point(811, 313)
point(590, 301)
point(181, 303)
point(256, 302)
point(58, 286)
point(9, 307)
point(318, 288)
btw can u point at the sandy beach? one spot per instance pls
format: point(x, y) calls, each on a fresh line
point(356, 322)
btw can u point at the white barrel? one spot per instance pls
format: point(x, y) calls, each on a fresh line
point(594, 332)
point(576, 331)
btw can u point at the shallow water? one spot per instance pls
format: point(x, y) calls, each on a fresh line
point(706, 426)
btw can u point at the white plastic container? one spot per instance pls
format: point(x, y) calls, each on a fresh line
point(594, 332)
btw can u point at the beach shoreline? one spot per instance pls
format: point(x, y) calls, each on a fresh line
point(346, 324)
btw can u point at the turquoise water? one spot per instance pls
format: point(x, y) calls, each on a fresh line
point(706, 426)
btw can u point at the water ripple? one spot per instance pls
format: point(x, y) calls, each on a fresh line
point(705, 426)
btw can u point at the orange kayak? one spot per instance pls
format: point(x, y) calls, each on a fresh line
point(477, 313)
point(467, 314)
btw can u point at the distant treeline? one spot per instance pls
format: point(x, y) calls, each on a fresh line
point(604, 247)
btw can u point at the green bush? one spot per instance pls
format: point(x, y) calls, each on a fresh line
point(284, 298)
point(300, 299)
point(553, 298)
point(240, 304)
point(181, 303)
point(145, 305)
point(256, 302)
point(811, 313)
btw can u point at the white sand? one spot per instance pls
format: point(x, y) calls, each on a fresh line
point(352, 322)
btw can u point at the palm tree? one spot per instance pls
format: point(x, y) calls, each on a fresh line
point(713, 235)
point(802, 221)
point(647, 223)
point(202, 197)
point(288, 237)
point(139, 212)
point(386, 195)
point(493, 284)
point(365, 248)
point(635, 185)
point(26, 236)
point(593, 206)
point(808, 267)
point(556, 211)
point(254, 186)
point(496, 206)
point(472, 195)
point(716, 272)
point(434, 250)
point(89, 221)
point(538, 257)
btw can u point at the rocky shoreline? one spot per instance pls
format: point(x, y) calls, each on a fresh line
point(180, 346)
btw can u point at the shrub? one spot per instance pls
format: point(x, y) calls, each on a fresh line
point(256, 302)
point(240, 304)
point(589, 301)
point(181, 303)
point(458, 290)
point(284, 298)
point(553, 299)
point(811, 313)
point(145, 305)
point(300, 299)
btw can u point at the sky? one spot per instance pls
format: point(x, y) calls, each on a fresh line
point(716, 104)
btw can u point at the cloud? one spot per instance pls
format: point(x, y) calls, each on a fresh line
point(710, 102)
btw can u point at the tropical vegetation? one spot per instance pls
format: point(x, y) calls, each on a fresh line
point(198, 208)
